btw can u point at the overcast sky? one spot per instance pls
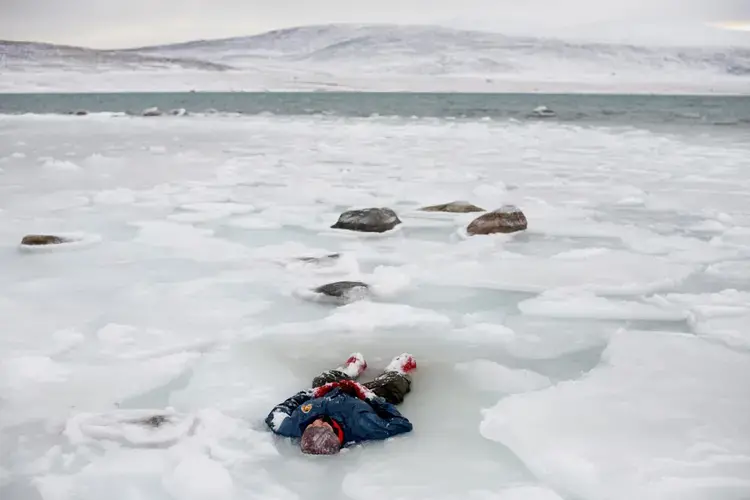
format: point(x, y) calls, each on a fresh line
point(124, 23)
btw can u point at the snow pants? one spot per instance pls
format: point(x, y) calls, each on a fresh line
point(391, 386)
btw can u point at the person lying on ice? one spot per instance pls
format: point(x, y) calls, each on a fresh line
point(338, 410)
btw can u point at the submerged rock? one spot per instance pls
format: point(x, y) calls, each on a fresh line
point(151, 112)
point(155, 421)
point(42, 239)
point(506, 219)
point(319, 260)
point(458, 207)
point(343, 289)
point(368, 220)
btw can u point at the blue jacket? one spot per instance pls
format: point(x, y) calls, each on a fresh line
point(360, 420)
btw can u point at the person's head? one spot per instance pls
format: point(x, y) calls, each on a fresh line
point(322, 436)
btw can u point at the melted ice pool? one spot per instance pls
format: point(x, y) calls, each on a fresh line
point(602, 354)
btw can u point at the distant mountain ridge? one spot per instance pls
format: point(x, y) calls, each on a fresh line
point(375, 51)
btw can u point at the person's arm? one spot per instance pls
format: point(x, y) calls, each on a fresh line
point(384, 421)
point(386, 410)
point(278, 418)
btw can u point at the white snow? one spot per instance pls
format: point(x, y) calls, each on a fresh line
point(608, 342)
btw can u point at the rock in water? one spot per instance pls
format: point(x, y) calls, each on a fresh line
point(506, 219)
point(320, 260)
point(42, 239)
point(369, 220)
point(457, 207)
point(543, 112)
point(344, 289)
point(155, 421)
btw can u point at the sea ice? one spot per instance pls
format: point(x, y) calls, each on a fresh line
point(560, 304)
point(663, 416)
point(734, 271)
point(143, 427)
point(615, 272)
point(723, 316)
point(187, 307)
point(60, 165)
point(118, 196)
point(188, 242)
point(487, 375)
point(197, 477)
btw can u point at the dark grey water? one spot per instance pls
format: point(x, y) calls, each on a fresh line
point(727, 111)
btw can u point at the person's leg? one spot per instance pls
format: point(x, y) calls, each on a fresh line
point(395, 382)
point(351, 370)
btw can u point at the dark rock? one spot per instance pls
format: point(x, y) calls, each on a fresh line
point(369, 220)
point(457, 207)
point(506, 219)
point(343, 289)
point(80, 112)
point(42, 239)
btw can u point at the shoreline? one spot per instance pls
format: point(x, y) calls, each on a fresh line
point(247, 82)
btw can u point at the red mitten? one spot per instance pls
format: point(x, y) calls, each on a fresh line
point(321, 391)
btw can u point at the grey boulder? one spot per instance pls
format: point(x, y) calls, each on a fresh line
point(457, 207)
point(346, 291)
point(368, 220)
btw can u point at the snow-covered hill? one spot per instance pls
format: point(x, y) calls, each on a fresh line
point(377, 57)
point(41, 56)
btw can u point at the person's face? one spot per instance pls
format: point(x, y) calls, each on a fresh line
point(320, 423)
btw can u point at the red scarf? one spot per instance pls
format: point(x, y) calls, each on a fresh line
point(337, 428)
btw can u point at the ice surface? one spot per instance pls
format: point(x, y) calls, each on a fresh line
point(490, 376)
point(132, 427)
point(738, 271)
point(566, 305)
point(722, 316)
point(661, 417)
point(205, 227)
